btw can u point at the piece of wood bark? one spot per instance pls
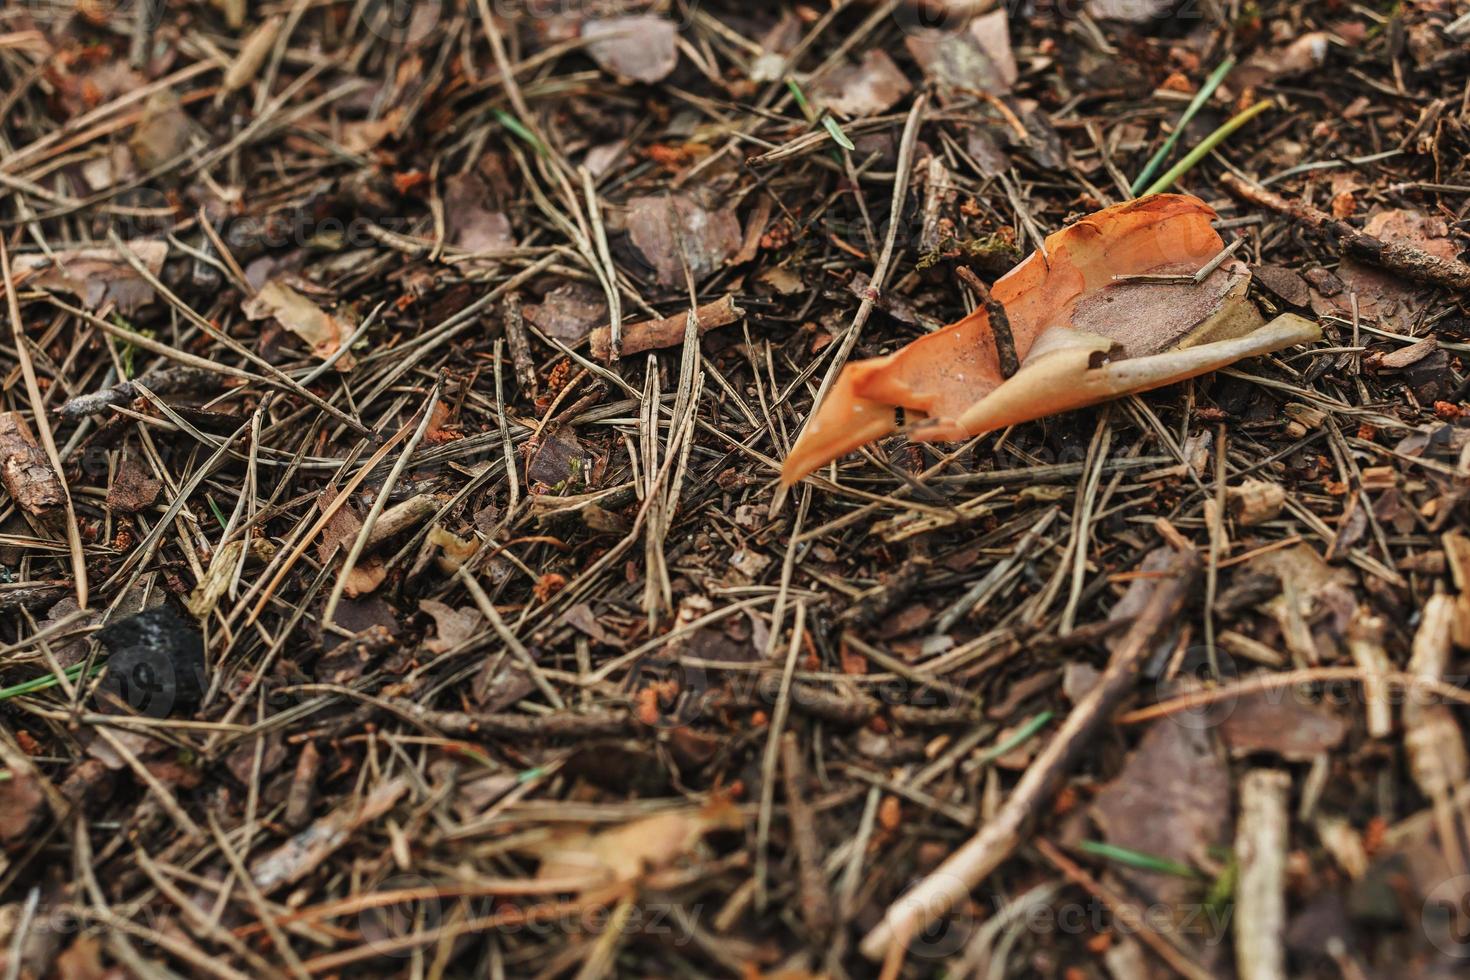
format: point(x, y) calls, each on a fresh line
point(28, 476)
point(652, 334)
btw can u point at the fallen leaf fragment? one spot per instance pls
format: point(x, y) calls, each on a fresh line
point(874, 85)
point(978, 57)
point(1282, 724)
point(322, 331)
point(672, 229)
point(468, 223)
point(132, 488)
point(97, 275)
point(341, 531)
point(640, 47)
point(162, 134)
point(24, 468)
point(626, 852)
point(1153, 808)
point(568, 312)
point(1380, 293)
point(22, 801)
point(1080, 336)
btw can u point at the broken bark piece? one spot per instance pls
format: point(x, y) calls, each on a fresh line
point(1255, 501)
point(300, 855)
point(653, 334)
point(1081, 336)
point(1261, 841)
point(132, 488)
point(27, 474)
point(1406, 260)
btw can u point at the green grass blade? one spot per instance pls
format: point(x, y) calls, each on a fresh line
point(1136, 859)
point(43, 683)
point(1021, 736)
point(1210, 142)
point(1205, 91)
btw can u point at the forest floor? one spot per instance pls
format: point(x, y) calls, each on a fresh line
point(396, 579)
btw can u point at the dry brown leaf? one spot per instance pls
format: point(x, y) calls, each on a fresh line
point(640, 47)
point(132, 488)
point(669, 229)
point(1381, 295)
point(341, 531)
point(628, 851)
point(322, 331)
point(874, 85)
point(97, 275)
point(22, 800)
point(1080, 336)
point(162, 133)
point(568, 312)
point(468, 223)
point(452, 627)
point(1172, 800)
point(978, 57)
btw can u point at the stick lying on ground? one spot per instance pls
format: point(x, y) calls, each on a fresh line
point(948, 884)
point(651, 334)
point(1404, 259)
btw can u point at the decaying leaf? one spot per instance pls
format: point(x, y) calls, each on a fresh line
point(338, 536)
point(468, 222)
point(873, 85)
point(303, 318)
point(568, 312)
point(97, 275)
point(625, 852)
point(132, 488)
point(1380, 294)
point(640, 47)
point(162, 134)
point(24, 468)
point(672, 229)
point(977, 57)
point(1152, 808)
point(1080, 336)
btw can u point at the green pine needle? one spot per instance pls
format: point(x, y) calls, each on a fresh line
point(838, 136)
point(1136, 859)
point(43, 683)
point(519, 128)
point(1021, 736)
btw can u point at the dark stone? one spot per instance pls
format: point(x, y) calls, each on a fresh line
point(155, 662)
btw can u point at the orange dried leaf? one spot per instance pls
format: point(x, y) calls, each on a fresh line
point(1081, 336)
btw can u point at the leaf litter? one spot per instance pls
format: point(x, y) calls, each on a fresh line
point(1114, 619)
